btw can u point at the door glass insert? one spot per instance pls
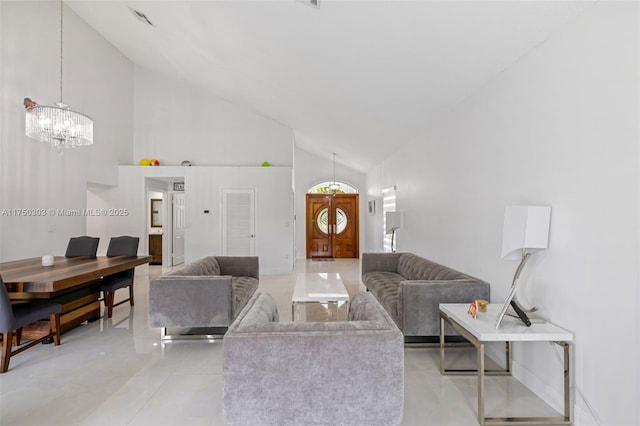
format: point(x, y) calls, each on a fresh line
point(323, 221)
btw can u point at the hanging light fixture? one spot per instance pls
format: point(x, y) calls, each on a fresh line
point(58, 125)
point(334, 187)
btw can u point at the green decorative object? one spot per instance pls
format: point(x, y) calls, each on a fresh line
point(266, 164)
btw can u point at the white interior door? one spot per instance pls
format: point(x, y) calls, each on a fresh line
point(177, 244)
point(238, 222)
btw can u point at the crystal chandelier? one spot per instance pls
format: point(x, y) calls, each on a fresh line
point(58, 125)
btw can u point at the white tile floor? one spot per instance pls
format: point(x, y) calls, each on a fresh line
point(117, 372)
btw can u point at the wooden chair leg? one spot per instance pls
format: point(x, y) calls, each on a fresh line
point(54, 328)
point(7, 340)
point(17, 337)
point(109, 296)
point(131, 294)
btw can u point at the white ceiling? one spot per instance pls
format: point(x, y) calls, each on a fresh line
point(356, 78)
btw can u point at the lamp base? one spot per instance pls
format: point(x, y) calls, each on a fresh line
point(516, 277)
point(534, 319)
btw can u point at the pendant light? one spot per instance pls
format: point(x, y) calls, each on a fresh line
point(58, 125)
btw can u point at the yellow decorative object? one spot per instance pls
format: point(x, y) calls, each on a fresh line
point(482, 305)
point(145, 162)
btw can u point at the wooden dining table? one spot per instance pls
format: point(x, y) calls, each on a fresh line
point(73, 282)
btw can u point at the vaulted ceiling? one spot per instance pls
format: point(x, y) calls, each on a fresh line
point(352, 77)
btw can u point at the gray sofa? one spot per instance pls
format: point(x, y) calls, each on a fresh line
point(410, 288)
point(315, 373)
point(209, 292)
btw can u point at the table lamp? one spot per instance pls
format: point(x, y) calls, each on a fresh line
point(393, 222)
point(525, 230)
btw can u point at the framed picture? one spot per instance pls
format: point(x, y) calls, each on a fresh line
point(156, 212)
point(372, 207)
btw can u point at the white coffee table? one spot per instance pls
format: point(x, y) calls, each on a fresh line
point(481, 330)
point(318, 287)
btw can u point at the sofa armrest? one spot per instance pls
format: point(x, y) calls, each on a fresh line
point(419, 302)
point(239, 266)
point(190, 301)
point(379, 262)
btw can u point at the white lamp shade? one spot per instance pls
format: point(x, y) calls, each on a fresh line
point(393, 220)
point(525, 227)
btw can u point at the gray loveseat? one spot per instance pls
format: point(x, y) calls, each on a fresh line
point(209, 292)
point(315, 373)
point(410, 288)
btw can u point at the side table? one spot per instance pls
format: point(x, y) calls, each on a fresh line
point(482, 330)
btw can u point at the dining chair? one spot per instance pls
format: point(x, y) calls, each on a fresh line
point(119, 246)
point(82, 246)
point(14, 317)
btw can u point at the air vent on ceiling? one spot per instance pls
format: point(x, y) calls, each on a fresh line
point(142, 17)
point(313, 3)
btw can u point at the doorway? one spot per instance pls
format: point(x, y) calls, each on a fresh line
point(166, 222)
point(238, 222)
point(179, 225)
point(332, 226)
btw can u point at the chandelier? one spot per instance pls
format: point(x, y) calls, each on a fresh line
point(58, 125)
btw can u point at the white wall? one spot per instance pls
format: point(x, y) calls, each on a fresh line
point(203, 185)
point(98, 81)
point(176, 122)
point(311, 170)
point(559, 128)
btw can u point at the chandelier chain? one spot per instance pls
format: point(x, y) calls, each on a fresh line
point(334, 168)
point(61, 45)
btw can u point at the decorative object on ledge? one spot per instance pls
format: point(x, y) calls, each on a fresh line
point(393, 222)
point(58, 125)
point(266, 164)
point(154, 162)
point(186, 163)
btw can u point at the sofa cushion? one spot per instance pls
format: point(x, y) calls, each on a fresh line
point(365, 307)
point(384, 286)
point(413, 267)
point(242, 288)
point(261, 309)
point(205, 266)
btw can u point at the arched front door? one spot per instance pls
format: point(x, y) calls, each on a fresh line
point(332, 226)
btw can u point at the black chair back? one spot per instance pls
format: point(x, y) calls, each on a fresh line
point(82, 246)
point(123, 246)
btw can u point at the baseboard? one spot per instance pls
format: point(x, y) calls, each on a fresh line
point(433, 339)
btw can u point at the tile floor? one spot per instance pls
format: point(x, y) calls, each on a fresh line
point(117, 372)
